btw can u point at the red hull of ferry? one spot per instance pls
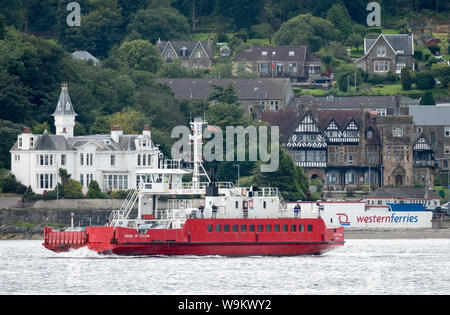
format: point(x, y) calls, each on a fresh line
point(229, 237)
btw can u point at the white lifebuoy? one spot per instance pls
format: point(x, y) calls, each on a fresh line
point(250, 204)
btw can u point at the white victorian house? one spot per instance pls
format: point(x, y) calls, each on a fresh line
point(111, 159)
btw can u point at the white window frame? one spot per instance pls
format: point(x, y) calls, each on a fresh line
point(447, 132)
point(381, 66)
point(381, 51)
point(397, 132)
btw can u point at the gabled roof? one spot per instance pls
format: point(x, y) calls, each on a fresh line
point(64, 106)
point(422, 143)
point(288, 121)
point(190, 46)
point(397, 42)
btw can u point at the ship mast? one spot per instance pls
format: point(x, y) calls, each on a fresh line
point(197, 140)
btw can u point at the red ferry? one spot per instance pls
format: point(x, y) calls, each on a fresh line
point(231, 221)
point(231, 237)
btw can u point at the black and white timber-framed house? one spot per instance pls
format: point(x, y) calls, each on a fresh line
point(307, 143)
point(352, 148)
point(424, 162)
point(340, 147)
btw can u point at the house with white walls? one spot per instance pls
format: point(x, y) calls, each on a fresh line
point(110, 159)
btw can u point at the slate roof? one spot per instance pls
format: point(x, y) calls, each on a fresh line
point(352, 102)
point(51, 142)
point(430, 115)
point(64, 106)
point(85, 55)
point(402, 193)
point(397, 41)
point(246, 89)
point(282, 53)
point(47, 142)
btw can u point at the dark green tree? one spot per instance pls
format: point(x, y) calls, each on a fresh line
point(161, 23)
point(406, 79)
point(338, 15)
point(424, 80)
point(226, 95)
point(290, 179)
point(139, 55)
point(427, 99)
point(305, 29)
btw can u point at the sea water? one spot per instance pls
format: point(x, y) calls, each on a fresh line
point(361, 266)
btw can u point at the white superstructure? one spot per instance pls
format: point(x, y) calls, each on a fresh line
point(358, 215)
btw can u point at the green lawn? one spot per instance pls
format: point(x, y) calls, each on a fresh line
point(376, 90)
point(389, 31)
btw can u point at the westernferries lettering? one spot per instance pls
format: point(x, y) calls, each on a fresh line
point(388, 219)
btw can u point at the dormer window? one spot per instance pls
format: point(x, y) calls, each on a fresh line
point(291, 53)
point(184, 51)
point(264, 53)
point(199, 55)
point(169, 55)
point(274, 52)
point(31, 141)
point(400, 51)
point(20, 142)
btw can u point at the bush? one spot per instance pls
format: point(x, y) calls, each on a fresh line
point(94, 191)
point(427, 99)
point(435, 50)
point(424, 80)
point(119, 194)
point(390, 77)
point(375, 78)
point(72, 190)
point(418, 55)
point(9, 184)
